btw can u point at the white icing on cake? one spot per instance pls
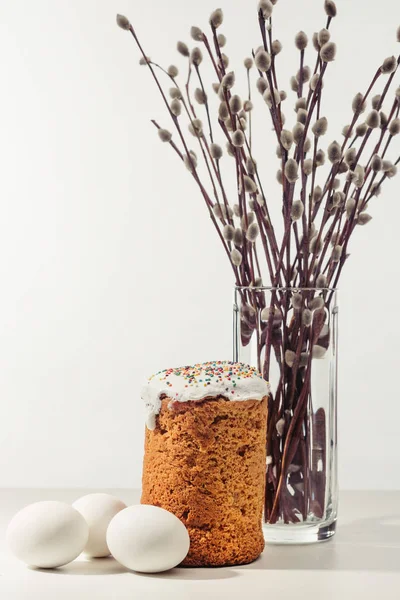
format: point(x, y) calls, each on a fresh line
point(233, 381)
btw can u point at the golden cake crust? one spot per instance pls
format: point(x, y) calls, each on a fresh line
point(205, 462)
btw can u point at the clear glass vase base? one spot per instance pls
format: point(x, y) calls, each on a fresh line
point(307, 533)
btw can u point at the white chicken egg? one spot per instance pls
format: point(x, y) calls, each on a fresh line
point(98, 510)
point(147, 539)
point(47, 534)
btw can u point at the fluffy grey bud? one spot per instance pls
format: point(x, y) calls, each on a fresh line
point(290, 358)
point(336, 254)
point(316, 303)
point(261, 85)
point(196, 33)
point(251, 166)
point(221, 39)
point(318, 352)
point(173, 71)
point(164, 135)
point(266, 8)
point(316, 245)
point(235, 104)
point(216, 151)
point(376, 163)
point(248, 106)
point(176, 107)
point(276, 47)
point(330, 8)
point(238, 138)
point(338, 199)
point(334, 152)
point(314, 82)
point(224, 61)
point(196, 56)
point(248, 63)
point(252, 232)
point(123, 22)
point(300, 103)
point(361, 129)
point(262, 60)
point(306, 317)
point(190, 161)
point(317, 194)
point(228, 81)
point(298, 131)
point(376, 101)
point(182, 48)
point(363, 218)
point(223, 112)
point(238, 237)
point(328, 52)
point(271, 99)
point(291, 170)
point(297, 301)
point(294, 84)
point(308, 166)
point(297, 210)
point(323, 37)
point(200, 96)
point(236, 257)
point(216, 18)
point(320, 127)
point(175, 93)
point(228, 232)
point(320, 158)
point(322, 281)
point(196, 127)
point(358, 176)
point(279, 177)
point(373, 120)
point(389, 65)
point(302, 116)
point(394, 127)
point(350, 207)
point(358, 105)
point(350, 156)
point(301, 40)
point(315, 41)
point(249, 185)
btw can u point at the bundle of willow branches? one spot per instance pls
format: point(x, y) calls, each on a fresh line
point(319, 217)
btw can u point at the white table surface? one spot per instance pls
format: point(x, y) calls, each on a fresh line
point(361, 562)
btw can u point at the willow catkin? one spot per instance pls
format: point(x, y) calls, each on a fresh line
point(318, 352)
point(358, 105)
point(298, 131)
point(315, 81)
point(334, 152)
point(248, 106)
point(216, 18)
point(302, 116)
point(389, 65)
point(306, 317)
point(330, 8)
point(236, 257)
point(190, 161)
point(394, 127)
point(316, 303)
point(251, 166)
point(235, 104)
point(266, 7)
point(271, 98)
point(376, 101)
point(363, 218)
point(301, 40)
point(350, 207)
point(196, 34)
point(144, 60)
point(173, 71)
point(297, 301)
point(216, 151)
point(373, 120)
point(276, 47)
point(221, 39)
point(164, 135)
point(376, 163)
point(196, 127)
point(223, 111)
point(224, 61)
point(308, 166)
point(290, 358)
point(262, 60)
point(261, 85)
point(176, 107)
point(297, 210)
point(317, 194)
point(249, 185)
point(228, 81)
point(320, 127)
point(196, 56)
point(123, 22)
point(183, 49)
point(323, 36)
point(228, 232)
point(238, 237)
point(338, 199)
point(316, 245)
point(336, 254)
point(328, 52)
point(291, 170)
point(361, 129)
point(320, 158)
point(248, 63)
point(238, 139)
point(350, 156)
point(322, 281)
point(200, 96)
point(252, 232)
point(294, 84)
point(315, 41)
point(358, 176)
point(384, 120)
point(175, 93)
point(300, 103)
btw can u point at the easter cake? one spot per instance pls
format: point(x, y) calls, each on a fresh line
point(205, 457)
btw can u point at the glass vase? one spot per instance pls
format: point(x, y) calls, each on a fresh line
point(291, 336)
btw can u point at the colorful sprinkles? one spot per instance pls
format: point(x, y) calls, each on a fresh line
point(204, 374)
